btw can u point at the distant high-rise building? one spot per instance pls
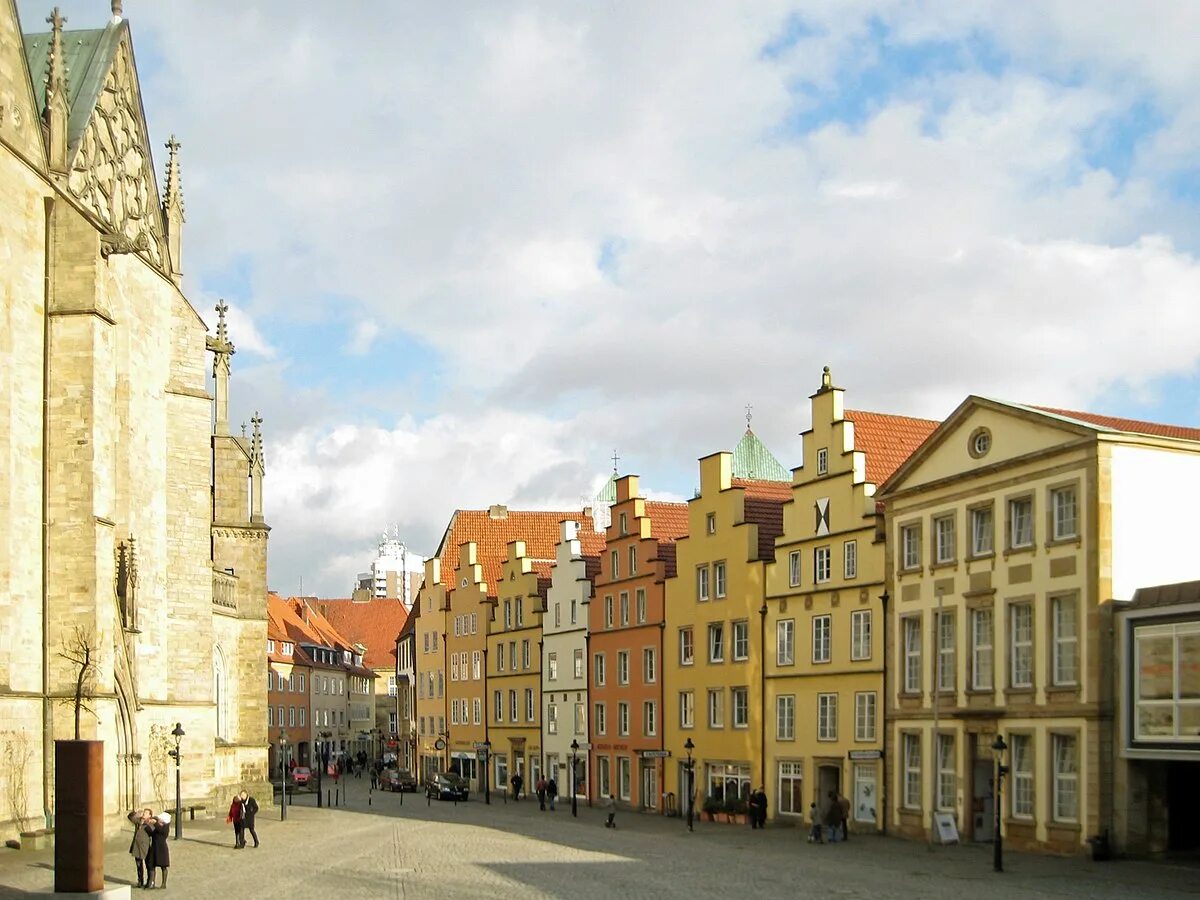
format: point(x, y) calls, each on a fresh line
point(396, 572)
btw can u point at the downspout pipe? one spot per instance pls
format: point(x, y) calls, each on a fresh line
point(762, 694)
point(47, 719)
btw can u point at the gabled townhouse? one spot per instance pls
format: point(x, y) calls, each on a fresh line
point(429, 647)
point(564, 671)
point(403, 741)
point(824, 655)
point(289, 673)
point(625, 645)
point(514, 669)
point(715, 623)
point(1012, 530)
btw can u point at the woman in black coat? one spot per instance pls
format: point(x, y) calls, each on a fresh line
point(160, 853)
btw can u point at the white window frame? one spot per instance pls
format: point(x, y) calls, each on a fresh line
point(822, 638)
point(785, 717)
point(945, 543)
point(822, 564)
point(687, 646)
point(910, 546)
point(702, 584)
point(983, 642)
point(716, 707)
point(1020, 645)
point(945, 622)
point(649, 665)
point(1064, 749)
point(850, 560)
point(794, 571)
point(823, 461)
point(739, 703)
point(1021, 533)
point(622, 718)
point(716, 642)
point(640, 603)
point(1064, 642)
point(947, 780)
point(622, 667)
point(910, 634)
point(860, 634)
point(687, 709)
point(719, 580)
point(649, 718)
point(982, 531)
point(624, 601)
point(1021, 795)
point(911, 790)
point(1064, 506)
point(740, 639)
point(785, 642)
point(827, 717)
point(599, 669)
point(865, 706)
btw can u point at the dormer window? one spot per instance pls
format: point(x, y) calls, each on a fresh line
point(287, 648)
point(270, 646)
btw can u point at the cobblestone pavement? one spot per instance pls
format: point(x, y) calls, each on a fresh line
point(443, 850)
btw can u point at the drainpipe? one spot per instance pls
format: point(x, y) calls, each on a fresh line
point(883, 757)
point(47, 721)
point(762, 694)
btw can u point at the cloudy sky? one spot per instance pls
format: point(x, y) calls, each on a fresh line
point(472, 248)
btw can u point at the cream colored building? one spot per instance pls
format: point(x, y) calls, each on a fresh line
point(129, 514)
point(824, 651)
point(1023, 525)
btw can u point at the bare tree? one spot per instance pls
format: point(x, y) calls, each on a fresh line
point(17, 754)
point(81, 651)
point(159, 752)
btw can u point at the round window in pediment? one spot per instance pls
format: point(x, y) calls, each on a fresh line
point(979, 443)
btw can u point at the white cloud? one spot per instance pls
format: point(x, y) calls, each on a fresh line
point(364, 336)
point(243, 331)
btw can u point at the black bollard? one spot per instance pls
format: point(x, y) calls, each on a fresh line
point(328, 795)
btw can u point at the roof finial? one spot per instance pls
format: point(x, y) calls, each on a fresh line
point(749, 414)
point(116, 10)
point(56, 72)
point(256, 447)
point(174, 191)
point(826, 379)
point(57, 111)
point(222, 334)
point(615, 460)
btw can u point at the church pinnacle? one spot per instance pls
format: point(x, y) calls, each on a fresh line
point(222, 350)
point(257, 470)
point(58, 109)
point(173, 210)
point(116, 10)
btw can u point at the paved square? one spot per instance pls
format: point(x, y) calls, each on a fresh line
point(415, 850)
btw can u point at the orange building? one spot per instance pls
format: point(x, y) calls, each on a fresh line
point(625, 647)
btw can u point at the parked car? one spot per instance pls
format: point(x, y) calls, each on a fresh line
point(397, 780)
point(448, 786)
point(301, 775)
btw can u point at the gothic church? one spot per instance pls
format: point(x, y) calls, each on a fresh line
point(130, 517)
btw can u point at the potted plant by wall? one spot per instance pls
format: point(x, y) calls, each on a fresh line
point(735, 811)
point(710, 809)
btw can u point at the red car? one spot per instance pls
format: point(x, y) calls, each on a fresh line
point(301, 775)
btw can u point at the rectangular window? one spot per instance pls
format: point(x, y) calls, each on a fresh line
point(1168, 682)
point(303, 716)
point(477, 709)
point(530, 707)
point(622, 667)
point(794, 568)
point(624, 523)
point(601, 719)
point(454, 667)
point(578, 661)
point(791, 788)
point(912, 654)
point(608, 612)
point(821, 564)
point(981, 531)
point(710, 523)
point(574, 610)
point(1020, 654)
point(525, 654)
point(823, 461)
point(687, 647)
point(981, 649)
point(860, 634)
point(633, 560)
point(604, 776)
point(785, 717)
point(624, 776)
point(719, 579)
point(300, 683)
point(827, 717)
point(716, 642)
point(476, 660)
point(270, 715)
point(822, 627)
point(1066, 513)
point(912, 771)
point(507, 614)
point(580, 719)
point(557, 615)
point(785, 642)
point(615, 560)
point(945, 646)
point(650, 718)
point(741, 640)
point(910, 547)
point(716, 708)
point(552, 667)
point(1066, 777)
point(1020, 523)
point(513, 710)
point(622, 718)
point(649, 666)
point(1064, 618)
point(624, 607)
point(512, 655)
point(864, 716)
point(551, 719)
point(520, 611)
point(947, 777)
point(599, 664)
point(640, 594)
point(498, 706)
point(944, 543)
point(1022, 776)
point(741, 707)
point(687, 709)
point(702, 582)
point(850, 559)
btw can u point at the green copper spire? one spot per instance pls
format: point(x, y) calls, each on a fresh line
point(752, 459)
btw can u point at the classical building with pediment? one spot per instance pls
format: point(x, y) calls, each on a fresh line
point(130, 517)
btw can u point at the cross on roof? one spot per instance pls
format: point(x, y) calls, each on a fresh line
point(615, 460)
point(749, 414)
point(56, 19)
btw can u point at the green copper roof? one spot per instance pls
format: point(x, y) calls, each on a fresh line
point(87, 55)
point(752, 459)
point(608, 493)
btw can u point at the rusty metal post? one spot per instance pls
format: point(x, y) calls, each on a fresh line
point(79, 816)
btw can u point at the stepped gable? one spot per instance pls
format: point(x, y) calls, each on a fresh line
point(887, 440)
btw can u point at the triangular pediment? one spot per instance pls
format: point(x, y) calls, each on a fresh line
point(981, 434)
point(20, 124)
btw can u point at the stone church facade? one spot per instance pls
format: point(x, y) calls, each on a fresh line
point(130, 516)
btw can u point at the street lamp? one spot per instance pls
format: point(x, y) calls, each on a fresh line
point(691, 785)
point(178, 734)
point(998, 748)
point(283, 771)
point(574, 799)
point(487, 772)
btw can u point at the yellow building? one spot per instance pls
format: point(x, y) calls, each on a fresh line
point(430, 643)
point(713, 641)
point(514, 669)
point(824, 655)
point(468, 618)
point(1022, 525)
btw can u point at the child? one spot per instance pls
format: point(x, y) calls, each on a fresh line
point(814, 834)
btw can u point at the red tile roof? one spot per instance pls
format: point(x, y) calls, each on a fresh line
point(887, 440)
point(668, 521)
point(764, 507)
point(538, 529)
point(1132, 426)
point(374, 624)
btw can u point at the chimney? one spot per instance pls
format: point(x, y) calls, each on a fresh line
point(497, 511)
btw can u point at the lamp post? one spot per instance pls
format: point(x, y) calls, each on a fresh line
point(998, 748)
point(574, 799)
point(691, 785)
point(178, 734)
point(283, 772)
point(487, 763)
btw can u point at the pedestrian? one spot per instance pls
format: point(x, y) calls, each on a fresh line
point(235, 819)
point(611, 806)
point(815, 835)
point(159, 856)
point(516, 781)
point(249, 811)
point(758, 808)
point(139, 847)
point(540, 787)
point(551, 792)
point(833, 818)
point(374, 778)
point(844, 807)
